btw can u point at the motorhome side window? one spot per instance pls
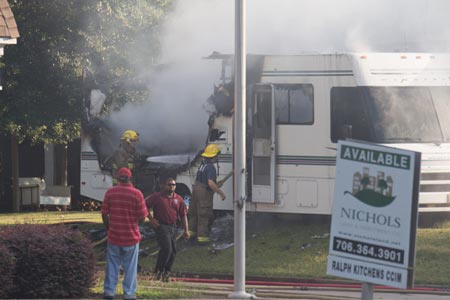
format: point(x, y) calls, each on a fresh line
point(294, 104)
point(392, 114)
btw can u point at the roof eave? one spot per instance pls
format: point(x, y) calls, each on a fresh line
point(7, 41)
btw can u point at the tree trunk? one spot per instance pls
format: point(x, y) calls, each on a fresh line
point(2, 177)
point(15, 173)
point(60, 167)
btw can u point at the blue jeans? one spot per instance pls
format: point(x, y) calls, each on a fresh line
point(128, 257)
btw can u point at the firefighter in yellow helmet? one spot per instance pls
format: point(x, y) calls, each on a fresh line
point(130, 135)
point(125, 155)
point(201, 213)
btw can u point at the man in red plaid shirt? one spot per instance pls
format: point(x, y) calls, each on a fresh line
point(123, 207)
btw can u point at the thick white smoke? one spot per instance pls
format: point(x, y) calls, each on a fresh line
point(174, 118)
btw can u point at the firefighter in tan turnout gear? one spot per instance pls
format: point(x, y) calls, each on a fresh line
point(201, 213)
point(125, 156)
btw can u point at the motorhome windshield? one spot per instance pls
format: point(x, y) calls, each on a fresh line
point(391, 114)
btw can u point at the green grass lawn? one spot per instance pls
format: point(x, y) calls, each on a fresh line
point(50, 217)
point(148, 289)
point(433, 256)
point(275, 252)
point(298, 250)
point(276, 249)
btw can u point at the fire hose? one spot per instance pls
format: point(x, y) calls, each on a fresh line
point(222, 181)
point(151, 254)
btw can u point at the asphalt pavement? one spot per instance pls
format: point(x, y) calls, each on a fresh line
point(222, 291)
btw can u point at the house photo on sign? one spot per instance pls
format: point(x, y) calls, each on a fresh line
point(374, 216)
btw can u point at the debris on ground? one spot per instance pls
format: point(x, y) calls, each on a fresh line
point(305, 245)
point(222, 246)
point(321, 236)
point(222, 229)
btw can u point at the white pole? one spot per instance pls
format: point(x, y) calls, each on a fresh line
point(239, 156)
point(367, 291)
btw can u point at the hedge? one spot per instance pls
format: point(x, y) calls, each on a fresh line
point(48, 262)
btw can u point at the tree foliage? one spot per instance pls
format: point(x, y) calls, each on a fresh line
point(116, 40)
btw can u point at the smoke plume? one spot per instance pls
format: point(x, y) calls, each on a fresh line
point(173, 119)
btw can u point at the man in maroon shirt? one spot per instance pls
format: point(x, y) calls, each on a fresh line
point(123, 207)
point(168, 207)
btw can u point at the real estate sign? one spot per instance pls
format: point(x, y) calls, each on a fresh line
point(374, 217)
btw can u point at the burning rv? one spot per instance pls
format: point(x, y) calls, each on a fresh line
point(300, 106)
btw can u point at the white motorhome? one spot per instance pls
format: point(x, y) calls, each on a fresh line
point(300, 106)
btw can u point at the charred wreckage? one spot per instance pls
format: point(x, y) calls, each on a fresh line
point(99, 139)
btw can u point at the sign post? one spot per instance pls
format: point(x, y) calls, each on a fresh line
point(374, 217)
point(367, 291)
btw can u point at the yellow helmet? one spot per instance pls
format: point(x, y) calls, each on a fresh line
point(130, 135)
point(211, 150)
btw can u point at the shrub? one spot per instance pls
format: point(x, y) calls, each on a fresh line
point(7, 267)
point(51, 261)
